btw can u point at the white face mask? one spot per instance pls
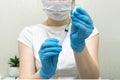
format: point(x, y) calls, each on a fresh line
point(57, 9)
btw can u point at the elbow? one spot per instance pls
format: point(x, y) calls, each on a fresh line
point(94, 75)
point(90, 74)
point(26, 77)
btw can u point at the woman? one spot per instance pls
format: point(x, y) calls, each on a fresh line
point(44, 56)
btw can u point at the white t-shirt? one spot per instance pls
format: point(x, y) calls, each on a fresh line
point(33, 37)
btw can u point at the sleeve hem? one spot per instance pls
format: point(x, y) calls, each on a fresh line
point(23, 42)
point(95, 32)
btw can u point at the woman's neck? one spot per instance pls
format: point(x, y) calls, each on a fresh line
point(50, 22)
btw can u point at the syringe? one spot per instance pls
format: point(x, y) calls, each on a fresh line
point(65, 34)
point(68, 25)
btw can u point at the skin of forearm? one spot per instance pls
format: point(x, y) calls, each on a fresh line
point(32, 77)
point(87, 67)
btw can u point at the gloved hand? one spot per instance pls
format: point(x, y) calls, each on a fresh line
point(82, 27)
point(48, 55)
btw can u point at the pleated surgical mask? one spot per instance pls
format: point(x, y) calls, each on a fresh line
point(57, 9)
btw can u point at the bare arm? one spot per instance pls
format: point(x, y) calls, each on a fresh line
point(87, 60)
point(27, 63)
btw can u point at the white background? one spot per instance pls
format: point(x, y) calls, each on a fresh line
point(16, 14)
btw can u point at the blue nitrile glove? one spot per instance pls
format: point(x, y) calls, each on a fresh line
point(48, 54)
point(82, 27)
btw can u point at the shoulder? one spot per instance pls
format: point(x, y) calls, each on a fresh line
point(32, 29)
point(27, 34)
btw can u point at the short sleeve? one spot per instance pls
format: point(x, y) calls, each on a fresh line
point(95, 31)
point(25, 37)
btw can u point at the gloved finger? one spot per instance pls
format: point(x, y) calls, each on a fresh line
point(79, 21)
point(52, 40)
point(84, 31)
point(51, 49)
point(82, 17)
point(82, 27)
point(81, 11)
point(74, 19)
point(49, 54)
point(49, 44)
